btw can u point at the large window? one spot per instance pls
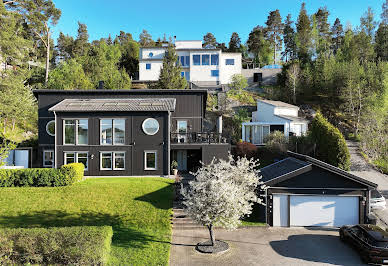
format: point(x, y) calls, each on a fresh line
point(196, 60)
point(215, 73)
point(75, 132)
point(150, 158)
point(112, 161)
point(112, 131)
point(184, 60)
point(205, 59)
point(229, 62)
point(48, 158)
point(256, 134)
point(214, 59)
point(76, 157)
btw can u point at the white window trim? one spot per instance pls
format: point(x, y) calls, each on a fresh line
point(52, 135)
point(76, 157)
point(48, 166)
point(147, 119)
point(113, 132)
point(76, 131)
point(156, 160)
point(261, 141)
point(113, 158)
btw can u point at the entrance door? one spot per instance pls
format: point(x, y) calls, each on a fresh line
point(182, 130)
point(182, 160)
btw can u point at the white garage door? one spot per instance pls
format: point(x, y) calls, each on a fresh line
point(323, 210)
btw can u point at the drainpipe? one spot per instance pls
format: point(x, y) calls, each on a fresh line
point(219, 125)
point(55, 141)
point(168, 144)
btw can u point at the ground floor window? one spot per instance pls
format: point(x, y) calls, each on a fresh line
point(256, 134)
point(76, 157)
point(150, 160)
point(48, 158)
point(112, 161)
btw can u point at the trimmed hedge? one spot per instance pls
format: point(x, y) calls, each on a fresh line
point(79, 245)
point(331, 145)
point(42, 177)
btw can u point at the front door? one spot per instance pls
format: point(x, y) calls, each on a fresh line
point(182, 130)
point(182, 160)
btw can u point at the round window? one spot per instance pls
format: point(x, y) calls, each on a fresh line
point(150, 126)
point(151, 54)
point(50, 128)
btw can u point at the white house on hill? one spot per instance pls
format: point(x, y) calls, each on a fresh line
point(273, 116)
point(201, 66)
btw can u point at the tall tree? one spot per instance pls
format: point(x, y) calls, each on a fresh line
point(367, 22)
point(323, 28)
point(259, 46)
point(65, 44)
point(384, 14)
point(234, 43)
point(81, 43)
point(145, 39)
point(170, 74)
point(289, 39)
point(381, 38)
point(274, 31)
point(292, 83)
point(303, 35)
point(337, 38)
point(129, 53)
point(222, 46)
point(209, 41)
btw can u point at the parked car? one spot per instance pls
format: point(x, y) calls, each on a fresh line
point(370, 241)
point(377, 201)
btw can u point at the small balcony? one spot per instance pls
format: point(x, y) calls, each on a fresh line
point(198, 138)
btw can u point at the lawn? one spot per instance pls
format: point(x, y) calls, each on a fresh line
point(138, 209)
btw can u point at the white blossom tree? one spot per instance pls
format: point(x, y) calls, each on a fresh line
point(222, 193)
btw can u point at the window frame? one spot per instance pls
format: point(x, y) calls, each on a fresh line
point(145, 160)
point(208, 62)
point(76, 157)
point(75, 133)
point(229, 59)
point(47, 125)
point(113, 159)
point(147, 119)
point(213, 57)
point(148, 66)
point(213, 71)
point(48, 166)
point(199, 60)
point(113, 131)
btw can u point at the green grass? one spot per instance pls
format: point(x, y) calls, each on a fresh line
point(138, 209)
point(255, 219)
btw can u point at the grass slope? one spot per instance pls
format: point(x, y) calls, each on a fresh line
point(139, 210)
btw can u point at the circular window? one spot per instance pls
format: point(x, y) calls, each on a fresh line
point(50, 128)
point(150, 126)
point(151, 54)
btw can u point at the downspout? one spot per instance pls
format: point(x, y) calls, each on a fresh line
point(168, 144)
point(55, 141)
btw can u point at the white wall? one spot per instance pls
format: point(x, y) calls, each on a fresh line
point(286, 111)
point(265, 113)
point(150, 74)
point(158, 52)
point(227, 71)
point(188, 44)
point(202, 73)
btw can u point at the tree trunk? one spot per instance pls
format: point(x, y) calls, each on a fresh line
point(47, 57)
point(211, 233)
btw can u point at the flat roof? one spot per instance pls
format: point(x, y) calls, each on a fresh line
point(278, 103)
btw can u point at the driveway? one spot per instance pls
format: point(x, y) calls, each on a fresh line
point(265, 246)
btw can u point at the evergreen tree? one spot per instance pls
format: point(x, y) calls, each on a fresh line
point(384, 14)
point(222, 46)
point(303, 35)
point(274, 31)
point(129, 53)
point(382, 42)
point(368, 24)
point(259, 46)
point(170, 74)
point(234, 43)
point(289, 39)
point(81, 43)
point(337, 35)
point(145, 39)
point(209, 41)
point(323, 28)
point(65, 44)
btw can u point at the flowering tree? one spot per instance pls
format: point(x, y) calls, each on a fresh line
point(222, 193)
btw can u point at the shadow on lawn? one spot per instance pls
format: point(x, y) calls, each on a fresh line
point(123, 235)
point(162, 198)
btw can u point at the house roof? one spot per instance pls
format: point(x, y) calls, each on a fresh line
point(298, 164)
point(279, 103)
point(115, 105)
point(294, 118)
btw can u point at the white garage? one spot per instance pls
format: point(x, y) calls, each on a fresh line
point(293, 210)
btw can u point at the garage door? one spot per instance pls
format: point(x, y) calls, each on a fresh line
point(323, 210)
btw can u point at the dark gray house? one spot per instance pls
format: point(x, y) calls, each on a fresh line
point(126, 132)
point(303, 191)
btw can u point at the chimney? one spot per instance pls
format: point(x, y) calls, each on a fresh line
point(101, 85)
point(174, 39)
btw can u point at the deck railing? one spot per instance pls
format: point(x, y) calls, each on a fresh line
point(197, 137)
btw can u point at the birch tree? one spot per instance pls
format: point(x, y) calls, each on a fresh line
point(293, 80)
point(222, 193)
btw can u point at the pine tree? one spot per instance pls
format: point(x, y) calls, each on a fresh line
point(170, 74)
point(81, 43)
point(145, 39)
point(337, 38)
point(274, 31)
point(381, 40)
point(65, 44)
point(259, 46)
point(303, 35)
point(209, 41)
point(323, 28)
point(289, 39)
point(368, 24)
point(234, 43)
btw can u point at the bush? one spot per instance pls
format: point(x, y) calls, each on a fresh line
point(79, 245)
point(245, 149)
point(277, 142)
point(331, 146)
point(42, 177)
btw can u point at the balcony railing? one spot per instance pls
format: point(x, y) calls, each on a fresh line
point(197, 137)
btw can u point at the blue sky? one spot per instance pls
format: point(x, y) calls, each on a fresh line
point(190, 20)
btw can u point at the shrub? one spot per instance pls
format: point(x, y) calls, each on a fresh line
point(331, 146)
point(79, 245)
point(42, 177)
point(276, 141)
point(245, 149)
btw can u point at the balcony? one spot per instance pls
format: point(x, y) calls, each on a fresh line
point(197, 138)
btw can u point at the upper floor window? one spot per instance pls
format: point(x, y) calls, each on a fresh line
point(196, 59)
point(215, 73)
point(112, 131)
point(150, 126)
point(50, 128)
point(75, 132)
point(229, 62)
point(205, 59)
point(151, 54)
point(148, 66)
point(184, 60)
point(214, 59)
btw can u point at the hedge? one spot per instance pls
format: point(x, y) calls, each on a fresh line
point(79, 245)
point(42, 177)
point(330, 143)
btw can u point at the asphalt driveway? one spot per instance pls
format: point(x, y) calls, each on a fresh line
point(265, 246)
